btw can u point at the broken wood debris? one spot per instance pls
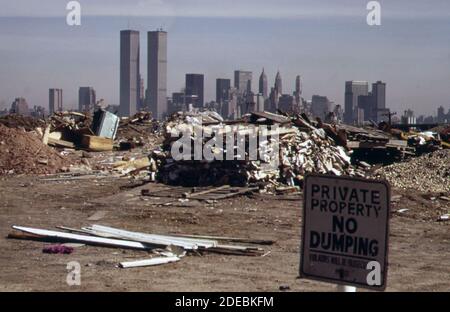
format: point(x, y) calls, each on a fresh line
point(67, 237)
point(175, 246)
point(219, 193)
point(148, 262)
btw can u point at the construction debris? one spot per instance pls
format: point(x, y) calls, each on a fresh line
point(46, 235)
point(24, 153)
point(429, 173)
point(174, 246)
point(301, 151)
point(96, 144)
point(148, 262)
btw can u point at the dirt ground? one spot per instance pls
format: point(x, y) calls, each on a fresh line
point(419, 253)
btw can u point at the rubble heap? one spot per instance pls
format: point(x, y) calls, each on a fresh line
point(24, 153)
point(19, 121)
point(429, 173)
point(139, 130)
point(300, 152)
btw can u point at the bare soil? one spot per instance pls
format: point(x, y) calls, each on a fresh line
point(419, 253)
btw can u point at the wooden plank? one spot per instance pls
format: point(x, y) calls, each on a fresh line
point(230, 239)
point(148, 262)
point(83, 238)
point(188, 244)
point(229, 195)
point(196, 194)
point(96, 144)
point(60, 143)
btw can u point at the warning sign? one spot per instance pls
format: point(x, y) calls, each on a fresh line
point(345, 231)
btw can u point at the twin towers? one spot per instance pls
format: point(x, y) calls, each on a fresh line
point(132, 92)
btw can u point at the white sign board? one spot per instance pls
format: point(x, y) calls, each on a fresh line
point(345, 231)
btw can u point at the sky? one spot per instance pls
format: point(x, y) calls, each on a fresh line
point(326, 42)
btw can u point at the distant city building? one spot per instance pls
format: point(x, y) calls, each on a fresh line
point(339, 113)
point(260, 101)
point(278, 84)
point(273, 100)
point(20, 107)
point(157, 73)
point(243, 81)
point(222, 90)
point(379, 94)
point(263, 85)
point(230, 109)
point(298, 90)
point(177, 103)
point(130, 78)
point(408, 117)
point(86, 99)
point(286, 103)
point(367, 108)
point(55, 100)
point(353, 90)
point(195, 87)
point(442, 117)
point(38, 112)
point(383, 115)
point(320, 106)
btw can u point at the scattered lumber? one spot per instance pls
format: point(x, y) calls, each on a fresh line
point(162, 240)
point(174, 247)
point(89, 240)
point(148, 262)
point(230, 239)
point(60, 143)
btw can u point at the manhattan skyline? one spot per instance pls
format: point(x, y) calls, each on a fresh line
point(412, 55)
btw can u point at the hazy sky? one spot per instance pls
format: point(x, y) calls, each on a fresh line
point(327, 42)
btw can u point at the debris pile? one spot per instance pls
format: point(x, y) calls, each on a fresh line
point(428, 173)
point(282, 156)
point(24, 153)
point(170, 248)
point(138, 131)
point(20, 121)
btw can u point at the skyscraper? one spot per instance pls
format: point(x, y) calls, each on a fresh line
point(195, 87)
point(279, 84)
point(129, 73)
point(142, 105)
point(86, 99)
point(379, 94)
point(157, 73)
point(20, 107)
point(243, 81)
point(320, 106)
point(55, 100)
point(222, 90)
point(298, 90)
point(353, 89)
point(263, 87)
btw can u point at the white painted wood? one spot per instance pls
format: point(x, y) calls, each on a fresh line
point(186, 243)
point(148, 262)
point(84, 238)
